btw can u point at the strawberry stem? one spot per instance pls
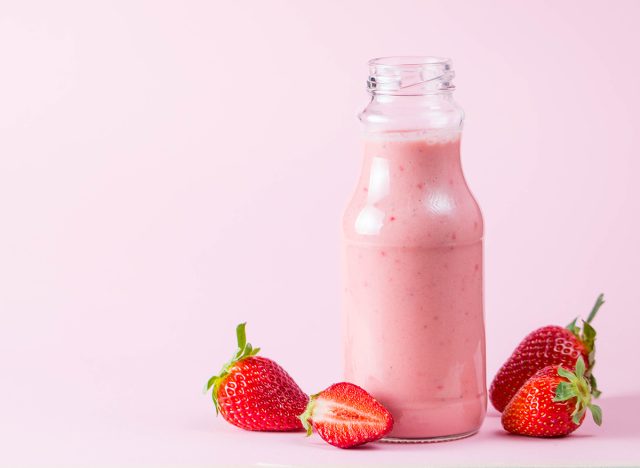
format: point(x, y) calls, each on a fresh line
point(596, 307)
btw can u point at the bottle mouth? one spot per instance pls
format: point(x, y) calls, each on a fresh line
point(410, 75)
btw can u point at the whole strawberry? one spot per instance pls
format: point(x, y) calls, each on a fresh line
point(346, 416)
point(255, 393)
point(546, 346)
point(552, 403)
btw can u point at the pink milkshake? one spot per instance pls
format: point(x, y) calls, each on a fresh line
point(413, 308)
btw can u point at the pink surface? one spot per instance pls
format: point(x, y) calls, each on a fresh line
point(168, 169)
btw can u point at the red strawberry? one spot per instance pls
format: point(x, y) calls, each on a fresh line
point(255, 393)
point(546, 346)
point(552, 403)
point(345, 416)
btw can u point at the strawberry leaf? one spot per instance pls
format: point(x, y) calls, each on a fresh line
point(564, 391)
point(580, 368)
point(566, 374)
point(596, 412)
point(594, 386)
point(588, 336)
point(577, 416)
point(210, 383)
point(573, 328)
point(305, 417)
point(241, 335)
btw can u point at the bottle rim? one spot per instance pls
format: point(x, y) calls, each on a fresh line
point(408, 61)
point(410, 75)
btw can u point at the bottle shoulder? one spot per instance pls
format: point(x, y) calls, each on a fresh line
point(435, 217)
point(412, 189)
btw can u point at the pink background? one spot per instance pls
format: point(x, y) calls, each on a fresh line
point(169, 169)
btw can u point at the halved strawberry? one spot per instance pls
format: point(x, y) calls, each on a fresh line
point(345, 416)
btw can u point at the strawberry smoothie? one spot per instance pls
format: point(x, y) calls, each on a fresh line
point(413, 308)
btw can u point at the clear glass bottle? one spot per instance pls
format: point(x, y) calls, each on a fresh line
point(412, 256)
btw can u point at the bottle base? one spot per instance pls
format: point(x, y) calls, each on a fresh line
point(427, 440)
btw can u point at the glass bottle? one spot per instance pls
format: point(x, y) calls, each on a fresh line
point(412, 258)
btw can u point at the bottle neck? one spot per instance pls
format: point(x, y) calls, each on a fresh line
point(411, 94)
point(435, 113)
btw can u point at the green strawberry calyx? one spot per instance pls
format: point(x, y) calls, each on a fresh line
point(578, 387)
point(305, 417)
point(587, 336)
point(244, 350)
